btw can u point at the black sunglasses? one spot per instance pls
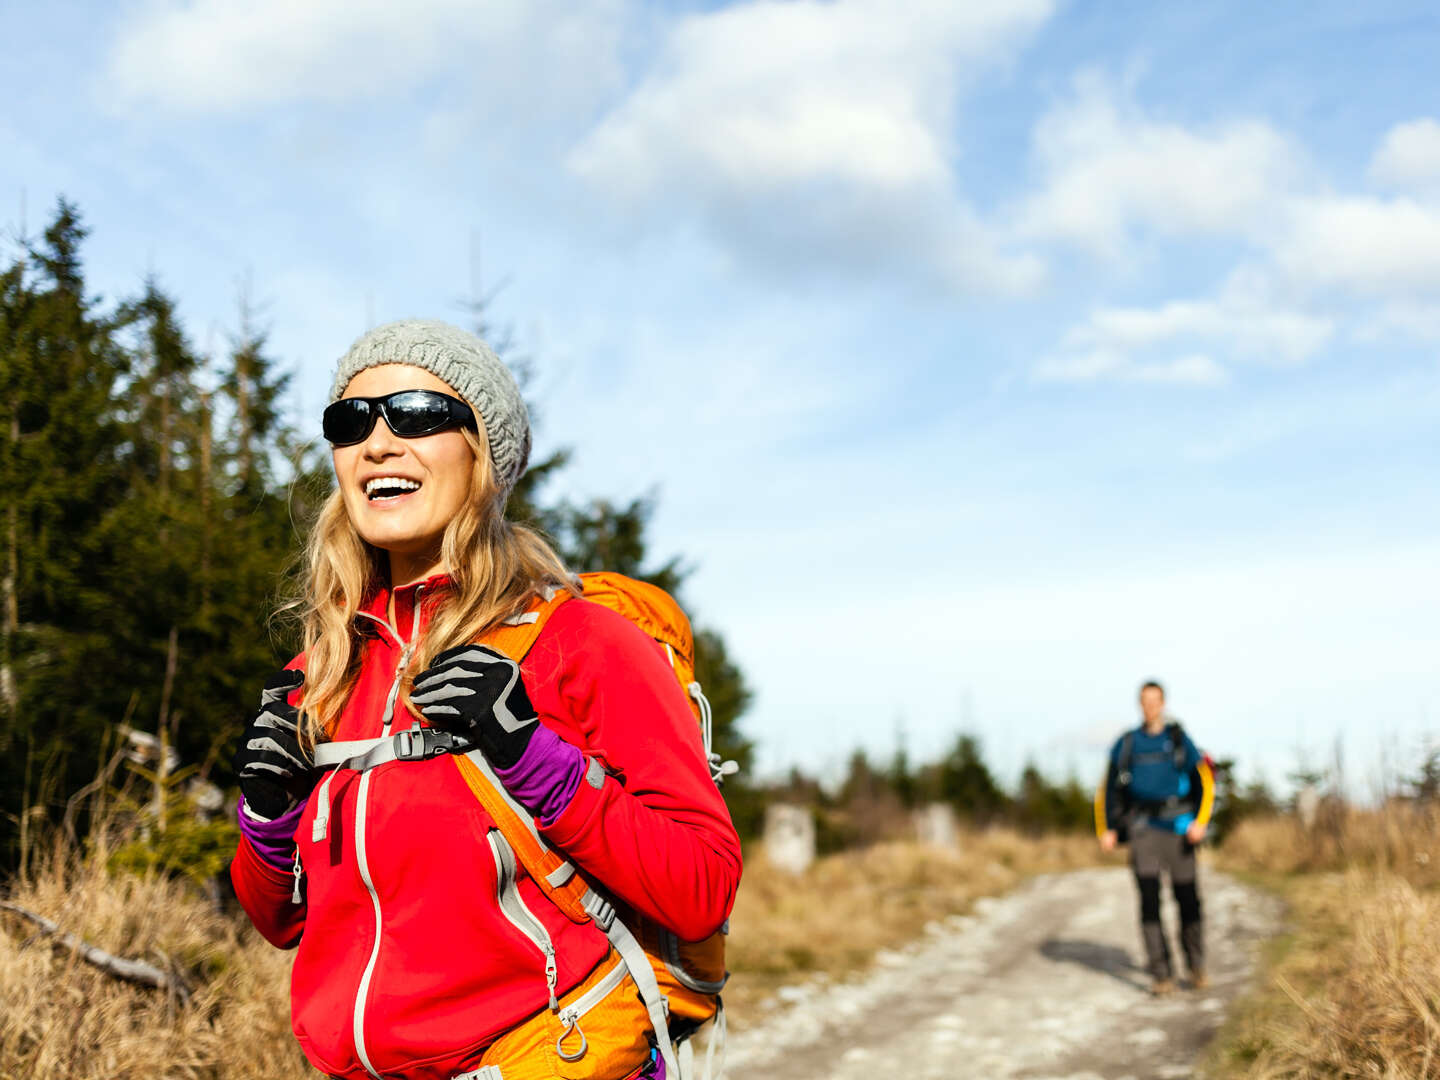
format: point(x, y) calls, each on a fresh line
point(409, 413)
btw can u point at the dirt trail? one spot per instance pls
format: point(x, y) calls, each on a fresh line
point(1047, 982)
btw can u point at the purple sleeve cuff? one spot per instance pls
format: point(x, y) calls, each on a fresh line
point(546, 776)
point(273, 841)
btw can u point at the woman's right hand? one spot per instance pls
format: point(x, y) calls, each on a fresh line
point(275, 773)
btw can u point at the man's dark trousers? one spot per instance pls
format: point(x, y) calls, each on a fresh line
point(1153, 851)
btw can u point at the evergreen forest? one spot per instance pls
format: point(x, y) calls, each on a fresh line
point(158, 497)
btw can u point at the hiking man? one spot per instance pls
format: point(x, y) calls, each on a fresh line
point(1157, 796)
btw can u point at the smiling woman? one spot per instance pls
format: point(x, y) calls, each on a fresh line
point(401, 491)
point(366, 841)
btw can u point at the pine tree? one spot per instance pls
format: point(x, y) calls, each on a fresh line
point(59, 462)
point(965, 781)
point(255, 391)
point(1042, 806)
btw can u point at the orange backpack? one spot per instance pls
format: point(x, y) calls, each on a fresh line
point(686, 976)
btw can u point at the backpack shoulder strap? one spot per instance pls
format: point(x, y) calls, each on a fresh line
point(554, 874)
point(517, 634)
point(1127, 755)
point(1177, 744)
point(648, 606)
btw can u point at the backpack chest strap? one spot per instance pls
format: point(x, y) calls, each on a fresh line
point(412, 744)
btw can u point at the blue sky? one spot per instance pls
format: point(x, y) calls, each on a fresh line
point(986, 359)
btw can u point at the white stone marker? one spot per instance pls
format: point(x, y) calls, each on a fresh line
point(935, 825)
point(789, 837)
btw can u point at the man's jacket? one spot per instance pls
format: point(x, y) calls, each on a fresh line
point(1158, 781)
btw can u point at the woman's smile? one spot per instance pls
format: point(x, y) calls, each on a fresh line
point(389, 490)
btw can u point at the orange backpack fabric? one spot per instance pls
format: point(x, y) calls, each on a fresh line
point(690, 974)
point(598, 1031)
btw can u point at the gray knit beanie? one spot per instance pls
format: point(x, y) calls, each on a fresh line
point(461, 359)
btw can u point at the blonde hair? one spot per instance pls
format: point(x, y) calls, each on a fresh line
point(494, 565)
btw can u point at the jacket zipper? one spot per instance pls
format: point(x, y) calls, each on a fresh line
point(512, 906)
point(362, 862)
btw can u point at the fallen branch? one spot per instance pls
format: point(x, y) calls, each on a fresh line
point(134, 971)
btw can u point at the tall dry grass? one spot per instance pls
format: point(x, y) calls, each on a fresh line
point(1401, 838)
point(1355, 989)
point(63, 1018)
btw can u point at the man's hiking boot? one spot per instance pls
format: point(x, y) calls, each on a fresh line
point(1162, 988)
point(1199, 980)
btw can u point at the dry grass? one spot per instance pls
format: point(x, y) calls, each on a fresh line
point(1355, 990)
point(1401, 839)
point(847, 907)
point(63, 1018)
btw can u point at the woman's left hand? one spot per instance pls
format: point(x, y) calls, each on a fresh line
point(475, 692)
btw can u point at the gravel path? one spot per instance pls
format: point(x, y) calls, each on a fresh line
point(1046, 982)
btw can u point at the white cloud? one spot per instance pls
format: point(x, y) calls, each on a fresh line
point(1194, 369)
point(216, 55)
point(1243, 321)
point(1409, 157)
point(818, 133)
point(1385, 247)
point(1246, 327)
point(1310, 263)
point(1111, 171)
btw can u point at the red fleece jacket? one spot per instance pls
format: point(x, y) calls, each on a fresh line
point(406, 964)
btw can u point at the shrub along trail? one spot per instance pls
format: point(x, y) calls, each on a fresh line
point(1046, 981)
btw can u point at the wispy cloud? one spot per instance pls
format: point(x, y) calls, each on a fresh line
point(217, 56)
point(1193, 369)
point(818, 134)
point(1113, 174)
point(1140, 343)
point(1309, 264)
point(1408, 158)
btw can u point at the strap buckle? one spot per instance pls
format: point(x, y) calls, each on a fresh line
point(422, 744)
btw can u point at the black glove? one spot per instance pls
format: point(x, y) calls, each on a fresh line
point(475, 692)
point(274, 772)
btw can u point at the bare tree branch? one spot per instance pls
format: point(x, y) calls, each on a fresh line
point(134, 971)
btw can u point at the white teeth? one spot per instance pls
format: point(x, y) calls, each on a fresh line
point(389, 484)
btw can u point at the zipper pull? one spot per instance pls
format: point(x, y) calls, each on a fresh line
point(299, 872)
point(550, 976)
